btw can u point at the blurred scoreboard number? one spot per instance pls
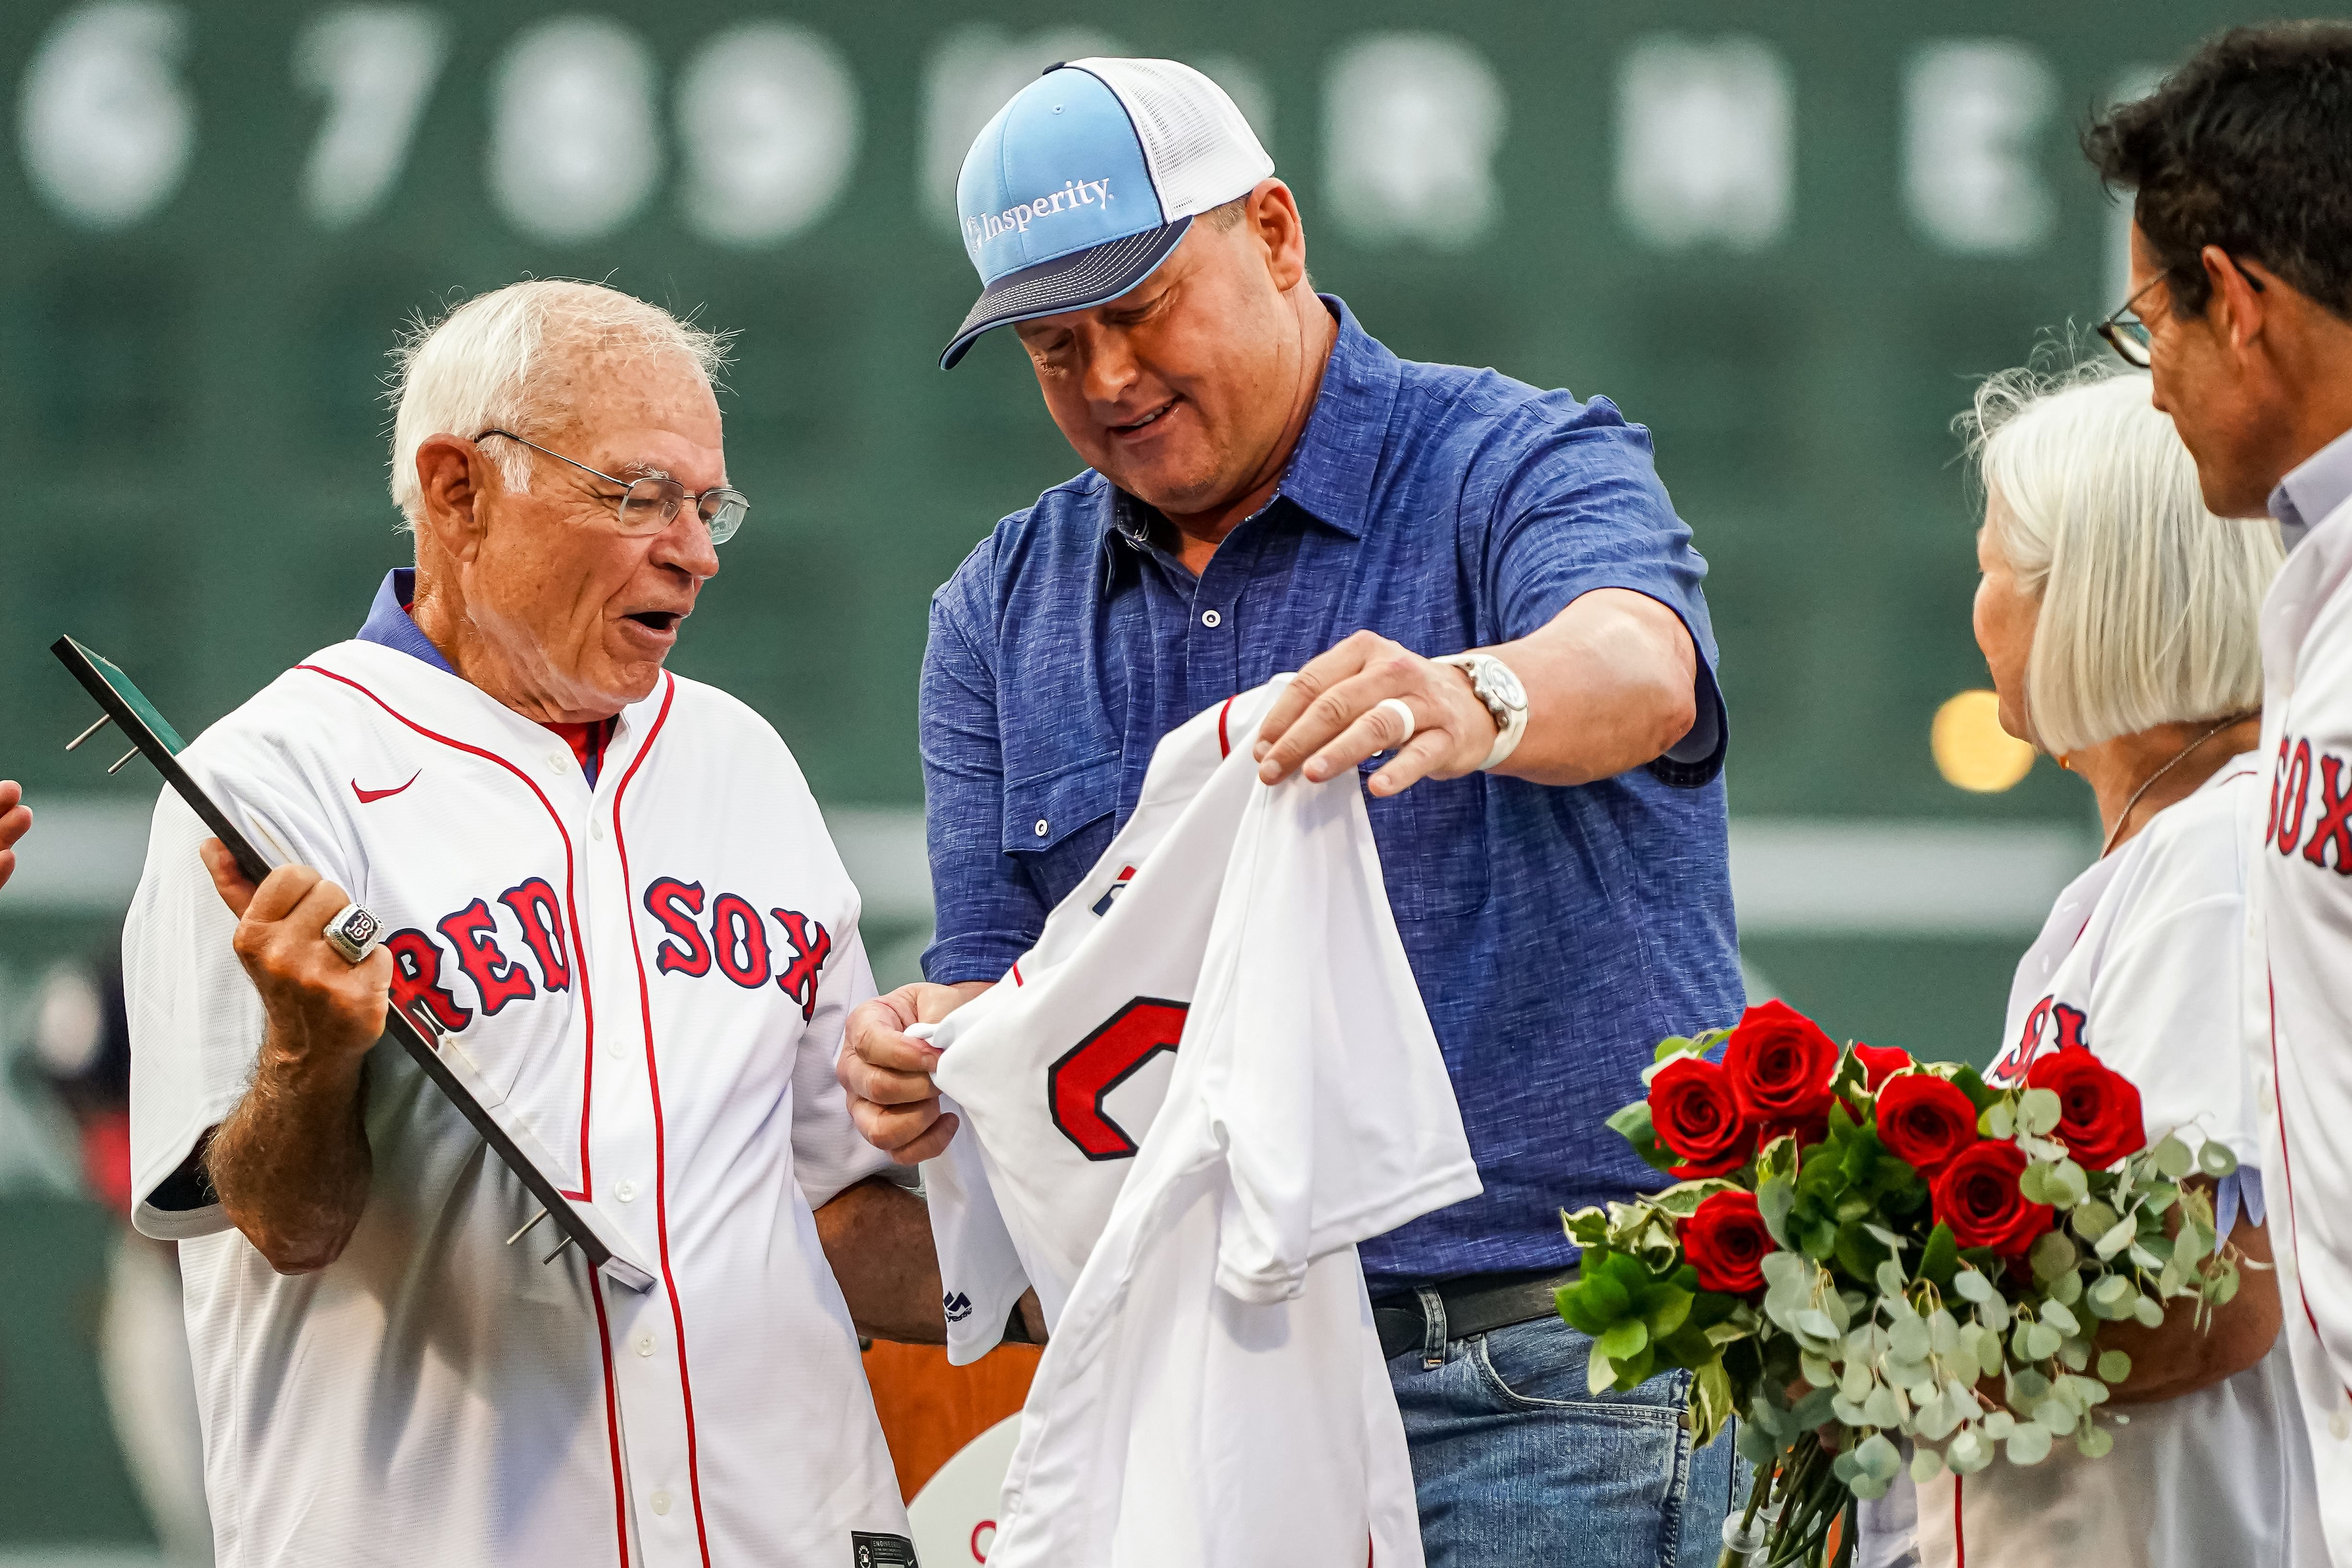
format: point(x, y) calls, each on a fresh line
point(951, 1431)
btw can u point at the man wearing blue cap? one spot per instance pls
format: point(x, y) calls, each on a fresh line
point(1494, 614)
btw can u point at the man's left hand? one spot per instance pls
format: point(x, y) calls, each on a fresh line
point(1329, 717)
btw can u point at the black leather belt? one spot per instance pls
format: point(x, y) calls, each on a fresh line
point(1425, 1319)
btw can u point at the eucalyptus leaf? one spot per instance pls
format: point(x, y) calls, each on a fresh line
point(2116, 1237)
point(1786, 1270)
point(2053, 1414)
point(2193, 1243)
point(2039, 1110)
point(1905, 1372)
point(2149, 1314)
point(1882, 1408)
point(1867, 1487)
point(2042, 1342)
point(1968, 1452)
point(2094, 1442)
point(2173, 1157)
point(1754, 1445)
point(1973, 1286)
point(1995, 1314)
point(1926, 1466)
point(1855, 1382)
point(2112, 1297)
point(1878, 1456)
point(1889, 1240)
point(2067, 1288)
point(2053, 1254)
point(2029, 1445)
point(2093, 1220)
point(2055, 1314)
point(2028, 1386)
point(1911, 1339)
point(1819, 1324)
point(1935, 1419)
point(1889, 1274)
point(1998, 1424)
point(2216, 1160)
point(1817, 1370)
point(1998, 1123)
point(2114, 1366)
point(1847, 1411)
point(1943, 1332)
point(2075, 1354)
point(2069, 1183)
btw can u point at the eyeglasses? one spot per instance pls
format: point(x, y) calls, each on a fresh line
point(649, 505)
point(2129, 338)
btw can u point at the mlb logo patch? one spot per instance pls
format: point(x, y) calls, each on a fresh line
point(1126, 875)
point(868, 1550)
point(958, 1306)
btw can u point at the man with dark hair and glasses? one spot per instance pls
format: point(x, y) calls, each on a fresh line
point(611, 891)
point(2241, 287)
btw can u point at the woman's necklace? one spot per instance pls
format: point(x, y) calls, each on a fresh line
point(2176, 758)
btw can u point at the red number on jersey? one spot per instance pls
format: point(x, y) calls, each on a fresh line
point(1077, 1086)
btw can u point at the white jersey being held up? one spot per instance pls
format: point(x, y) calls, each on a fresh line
point(2299, 983)
point(653, 972)
point(2139, 963)
point(1208, 1080)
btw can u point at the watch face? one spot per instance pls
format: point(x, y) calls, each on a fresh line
point(1498, 681)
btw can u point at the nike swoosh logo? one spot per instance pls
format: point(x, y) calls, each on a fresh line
point(370, 796)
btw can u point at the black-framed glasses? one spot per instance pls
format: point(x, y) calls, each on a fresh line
point(651, 504)
point(2129, 337)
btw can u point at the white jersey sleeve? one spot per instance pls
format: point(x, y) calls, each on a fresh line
point(195, 1019)
point(1324, 1147)
point(828, 1155)
point(975, 1247)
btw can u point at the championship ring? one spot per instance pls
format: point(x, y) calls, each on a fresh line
point(352, 933)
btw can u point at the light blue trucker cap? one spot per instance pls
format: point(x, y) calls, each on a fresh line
point(1087, 180)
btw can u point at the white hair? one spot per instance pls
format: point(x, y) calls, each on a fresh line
point(487, 366)
point(2149, 604)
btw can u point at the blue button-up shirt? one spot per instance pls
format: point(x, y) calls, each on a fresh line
point(1557, 933)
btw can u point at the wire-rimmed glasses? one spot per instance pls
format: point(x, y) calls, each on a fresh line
point(649, 505)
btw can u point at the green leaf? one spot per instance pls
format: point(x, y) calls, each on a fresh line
point(2053, 1254)
point(1968, 1452)
point(1754, 1445)
point(1971, 1285)
point(2039, 1111)
point(1775, 1196)
point(1600, 1374)
point(2069, 1183)
point(2150, 1315)
point(1941, 1258)
point(2216, 1159)
point(1926, 1466)
point(1624, 1341)
point(1689, 1347)
point(1878, 1457)
point(2116, 1237)
point(1998, 1123)
point(2033, 1182)
point(2029, 1445)
point(1858, 1251)
point(2094, 1442)
point(2173, 1157)
point(1674, 1045)
point(2112, 1297)
point(2055, 1314)
point(1605, 1300)
point(1633, 1123)
point(2114, 1366)
point(2042, 1342)
point(1969, 1081)
point(2092, 1219)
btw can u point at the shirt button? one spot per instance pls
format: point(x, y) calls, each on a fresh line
point(2339, 1426)
point(1043, 827)
point(624, 1190)
point(645, 1344)
point(661, 1501)
point(1210, 619)
point(559, 760)
point(597, 830)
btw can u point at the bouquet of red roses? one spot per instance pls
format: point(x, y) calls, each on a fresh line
point(1862, 1249)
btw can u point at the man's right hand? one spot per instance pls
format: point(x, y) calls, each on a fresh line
point(15, 817)
point(321, 1007)
point(888, 1074)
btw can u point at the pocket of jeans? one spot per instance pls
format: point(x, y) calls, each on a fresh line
point(1542, 1366)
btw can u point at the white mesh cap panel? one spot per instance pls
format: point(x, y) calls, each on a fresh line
point(1201, 151)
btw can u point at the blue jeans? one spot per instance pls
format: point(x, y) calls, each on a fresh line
point(1516, 1466)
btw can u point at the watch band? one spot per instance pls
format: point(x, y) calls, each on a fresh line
point(1482, 669)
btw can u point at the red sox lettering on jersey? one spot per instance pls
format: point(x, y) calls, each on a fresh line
point(2328, 843)
point(649, 973)
point(735, 941)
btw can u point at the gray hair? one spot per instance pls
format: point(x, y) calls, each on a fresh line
point(483, 365)
point(2149, 605)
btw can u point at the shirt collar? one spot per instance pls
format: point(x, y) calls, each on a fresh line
point(1330, 472)
point(2317, 486)
point(388, 623)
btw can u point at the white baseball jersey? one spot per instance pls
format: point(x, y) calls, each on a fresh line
point(2299, 981)
point(653, 972)
point(1209, 1079)
point(2139, 963)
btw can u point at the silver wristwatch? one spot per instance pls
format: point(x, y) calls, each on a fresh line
point(1499, 690)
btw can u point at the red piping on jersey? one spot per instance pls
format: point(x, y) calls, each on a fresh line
point(652, 1082)
point(1959, 1535)
point(1016, 972)
point(2286, 1164)
point(612, 1420)
point(1225, 746)
point(570, 909)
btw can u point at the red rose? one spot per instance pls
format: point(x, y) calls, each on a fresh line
point(1779, 1064)
point(1726, 1241)
point(2099, 1115)
point(1693, 1113)
point(1977, 1196)
point(1881, 1062)
point(1925, 1119)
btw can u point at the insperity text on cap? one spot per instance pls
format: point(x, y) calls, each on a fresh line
point(1087, 180)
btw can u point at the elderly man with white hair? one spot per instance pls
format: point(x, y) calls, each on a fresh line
point(612, 890)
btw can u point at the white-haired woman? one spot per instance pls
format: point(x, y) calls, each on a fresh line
point(2118, 618)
